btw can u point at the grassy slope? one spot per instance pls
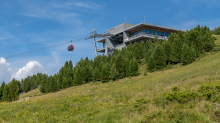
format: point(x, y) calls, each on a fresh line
point(114, 101)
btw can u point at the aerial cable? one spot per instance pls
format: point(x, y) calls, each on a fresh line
point(44, 48)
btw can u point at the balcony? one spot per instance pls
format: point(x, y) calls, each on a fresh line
point(144, 35)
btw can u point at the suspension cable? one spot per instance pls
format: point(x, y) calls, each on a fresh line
point(44, 48)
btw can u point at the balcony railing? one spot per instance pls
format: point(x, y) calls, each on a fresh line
point(148, 35)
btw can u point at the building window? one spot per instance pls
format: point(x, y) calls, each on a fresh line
point(104, 44)
point(162, 34)
point(150, 32)
point(136, 33)
point(154, 32)
point(166, 34)
point(158, 33)
point(145, 31)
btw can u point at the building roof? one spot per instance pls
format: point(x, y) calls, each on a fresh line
point(131, 28)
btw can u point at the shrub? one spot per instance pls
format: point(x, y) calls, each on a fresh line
point(181, 97)
point(210, 91)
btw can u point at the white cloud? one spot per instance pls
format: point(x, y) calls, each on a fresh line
point(5, 71)
point(32, 67)
point(61, 11)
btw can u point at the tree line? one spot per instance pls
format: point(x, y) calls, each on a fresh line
point(179, 48)
point(216, 31)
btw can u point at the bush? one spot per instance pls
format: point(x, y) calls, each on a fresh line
point(210, 91)
point(181, 97)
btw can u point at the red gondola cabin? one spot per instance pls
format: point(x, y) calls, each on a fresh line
point(70, 48)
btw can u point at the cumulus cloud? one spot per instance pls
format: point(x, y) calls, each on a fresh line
point(5, 71)
point(32, 67)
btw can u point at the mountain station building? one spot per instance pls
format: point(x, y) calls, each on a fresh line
point(125, 33)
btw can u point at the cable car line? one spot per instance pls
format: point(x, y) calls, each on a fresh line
point(28, 52)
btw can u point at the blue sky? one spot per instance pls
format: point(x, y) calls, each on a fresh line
point(31, 24)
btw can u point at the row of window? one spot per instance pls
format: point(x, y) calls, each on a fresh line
point(146, 31)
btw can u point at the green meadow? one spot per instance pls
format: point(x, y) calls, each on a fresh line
point(137, 99)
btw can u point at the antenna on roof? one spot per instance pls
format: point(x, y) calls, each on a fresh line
point(124, 19)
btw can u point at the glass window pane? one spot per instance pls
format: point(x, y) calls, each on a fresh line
point(150, 31)
point(136, 33)
point(154, 32)
point(162, 33)
point(165, 34)
point(145, 30)
point(158, 33)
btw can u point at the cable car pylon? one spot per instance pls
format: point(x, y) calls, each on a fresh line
point(94, 35)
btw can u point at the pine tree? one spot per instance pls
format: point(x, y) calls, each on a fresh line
point(43, 84)
point(47, 85)
point(5, 96)
point(148, 54)
point(104, 74)
point(88, 74)
point(96, 74)
point(58, 84)
point(77, 75)
point(130, 69)
point(120, 66)
point(167, 50)
point(130, 47)
point(2, 89)
point(113, 72)
point(175, 53)
point(159, 57)
point(135, 66)
point(64, 83)
point(151, 64)
point(13, 90)
point(53, 84)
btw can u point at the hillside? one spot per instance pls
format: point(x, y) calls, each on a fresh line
point(125, 100)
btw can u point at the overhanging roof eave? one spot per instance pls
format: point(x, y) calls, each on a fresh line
point(152, 26)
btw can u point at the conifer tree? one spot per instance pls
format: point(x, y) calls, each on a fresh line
point(159, 57)
point(58, 84)
point(115, 52)
point(69, 81)
point(127, 66)
point(64, 83)
point(53, 84)
point(151, 64)
point(47, 85)
point(88, 74)
point(96, 74)
point(77, 75)
point(5, 96)
point(130, 48)
point(2, 89)
point(135, 66)
point(167, 50)
point(148, 54)
point(120, 66)
point(109, 57)
point(175, 53)
point(13, 90)
point(156, 40)
point(113, 72)
point(131, 68)
point(186, 56)
point(104, 73)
